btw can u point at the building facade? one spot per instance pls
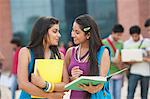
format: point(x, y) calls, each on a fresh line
point(5, 32)
point(20, 15)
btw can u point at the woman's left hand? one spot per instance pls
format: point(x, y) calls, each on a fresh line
point(90, 88)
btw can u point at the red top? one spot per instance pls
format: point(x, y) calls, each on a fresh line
point(15, 62)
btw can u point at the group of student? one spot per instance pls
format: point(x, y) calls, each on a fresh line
point(138, 71)
point(80, 60)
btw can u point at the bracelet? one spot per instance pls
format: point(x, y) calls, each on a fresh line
point(47, 87)
point(52, 87)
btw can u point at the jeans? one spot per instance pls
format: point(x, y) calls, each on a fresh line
point(115, 88)
point(13, 85)
point(132, 84)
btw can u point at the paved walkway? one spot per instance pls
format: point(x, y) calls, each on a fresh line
point(124, 91)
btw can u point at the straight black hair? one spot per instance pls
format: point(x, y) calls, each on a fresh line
point(135, 30)
point(118, 28)
point(39, 31)
point(88, 25)
point(147, 23)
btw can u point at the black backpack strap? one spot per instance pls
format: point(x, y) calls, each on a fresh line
point(141, 43)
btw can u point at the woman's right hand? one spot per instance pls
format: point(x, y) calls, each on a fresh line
point(76, 72)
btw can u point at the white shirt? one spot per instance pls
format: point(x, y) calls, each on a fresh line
point(142, 68)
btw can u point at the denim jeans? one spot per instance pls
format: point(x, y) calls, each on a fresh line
point(13, 85)
point(132, 84)
point(115, 88)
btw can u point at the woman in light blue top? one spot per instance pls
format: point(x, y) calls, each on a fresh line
point(43, 45)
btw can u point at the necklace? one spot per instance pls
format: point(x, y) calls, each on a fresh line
point(85, 57)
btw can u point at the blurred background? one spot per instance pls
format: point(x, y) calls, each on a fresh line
point(18, 16)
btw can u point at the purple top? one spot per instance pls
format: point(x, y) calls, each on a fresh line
point(84, 66)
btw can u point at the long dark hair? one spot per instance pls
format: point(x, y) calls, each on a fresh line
point(88, 25)
point(39, 32)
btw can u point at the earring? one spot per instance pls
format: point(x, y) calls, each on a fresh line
point(88, 38)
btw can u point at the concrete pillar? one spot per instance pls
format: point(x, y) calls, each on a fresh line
point(5, 32)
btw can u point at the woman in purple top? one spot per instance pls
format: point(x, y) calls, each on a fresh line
point(82, 59)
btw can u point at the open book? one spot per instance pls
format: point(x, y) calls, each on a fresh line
point(94, 80)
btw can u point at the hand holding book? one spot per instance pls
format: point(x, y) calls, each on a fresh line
point(49, 70)
point(93, 80)
point(90, 88)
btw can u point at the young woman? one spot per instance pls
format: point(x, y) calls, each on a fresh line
point(82, 59)
point(43, 44)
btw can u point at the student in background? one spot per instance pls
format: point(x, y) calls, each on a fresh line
point(43, 44)
point(115, 44)
point(81, 60)
point(147, 27)
point(16, 42)
point(139, 71)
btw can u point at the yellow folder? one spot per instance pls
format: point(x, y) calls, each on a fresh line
point(49, 69)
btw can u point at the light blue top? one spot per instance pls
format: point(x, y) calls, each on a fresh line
point(104, 93)
point(25, 95)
